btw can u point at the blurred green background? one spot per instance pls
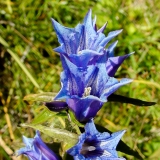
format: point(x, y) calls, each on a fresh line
point(29, 65)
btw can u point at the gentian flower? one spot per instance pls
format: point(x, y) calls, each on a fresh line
point(87, 90)
point(84, 44)
point(36, 149)
point(95, 145)
point(87, 79)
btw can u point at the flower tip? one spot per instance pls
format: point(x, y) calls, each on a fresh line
point(52, 20)
point(124, 131)
point(117, 136)
point(88, 16)
point(89, 13)
point(37, 133)
point(102, 28)
point(25, 139)
point(114, 44)
point(119, 31)
point(90, 10)
point(131, 53)
point(126, 80)
point(55, 24)
point(121, 133)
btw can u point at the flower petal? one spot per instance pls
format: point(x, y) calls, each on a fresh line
point(56, 106)
point(113, 64)
point(109, 90)
point(36, 149)
point(110, 36)
point(84, 108)
point(101, 30)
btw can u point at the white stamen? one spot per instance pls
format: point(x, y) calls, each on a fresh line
point(91, 148)
point(88, 148)
point(79, 52)
point(87, 91)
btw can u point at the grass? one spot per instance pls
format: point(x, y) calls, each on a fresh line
point(29, 65)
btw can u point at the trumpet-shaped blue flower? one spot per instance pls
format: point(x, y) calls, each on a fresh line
point(95, 145)
point(36, 149)
point(86, 89)
point(84, 44)
point(87, 79)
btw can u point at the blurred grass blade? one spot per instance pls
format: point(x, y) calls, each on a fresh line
point(148, 83)
point(42, 97)
point(16, 58)
point(60, 134)
point(155, 154)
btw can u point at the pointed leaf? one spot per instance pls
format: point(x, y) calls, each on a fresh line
point(59, 134)
point(43, 116)
point(42, 97)
point(123, 99)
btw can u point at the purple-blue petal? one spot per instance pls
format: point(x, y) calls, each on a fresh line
point(63, 93)
point(89, 29)
point(95, 145)
point(84, 108)
point(56, 106)
point(74, 150)
point(70, 37)
point(113, 140)
point(83, 58)
point(109, 90)
point(101, 30)
point(94, 23)
point(114, 63)
point(110, 36)
point(90, 128)
point(36, 149)
point(110, 49)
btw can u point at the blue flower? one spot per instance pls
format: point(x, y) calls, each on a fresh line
point(87, 80)
point(84, 44)
point(95, 145)
point(86, 89)
point(36, 149)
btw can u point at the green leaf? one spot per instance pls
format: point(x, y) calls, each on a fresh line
point(42, 97)
point(59, 134)
point(43, 116)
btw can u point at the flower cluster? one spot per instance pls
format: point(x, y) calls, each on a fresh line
point(87, 82)
point(92, 144)
point(87, 79)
